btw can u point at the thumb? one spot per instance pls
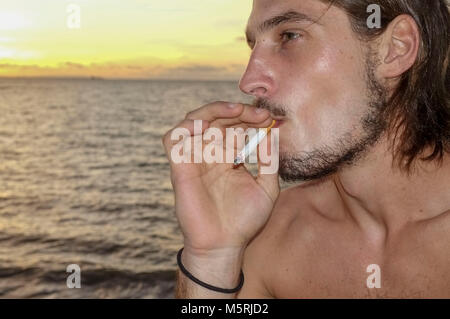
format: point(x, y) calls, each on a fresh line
point(268, 164)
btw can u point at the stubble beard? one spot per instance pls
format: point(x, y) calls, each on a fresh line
point(325, 161)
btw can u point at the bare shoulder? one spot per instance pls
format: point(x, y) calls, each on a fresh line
point(295, 216)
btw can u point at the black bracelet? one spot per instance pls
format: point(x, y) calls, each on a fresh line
point(204, 284)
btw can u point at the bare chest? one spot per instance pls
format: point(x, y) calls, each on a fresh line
point(340, 267)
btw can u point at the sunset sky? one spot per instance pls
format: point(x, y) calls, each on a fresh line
point(174, 39)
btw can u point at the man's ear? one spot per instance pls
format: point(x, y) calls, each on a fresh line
point(399, 46)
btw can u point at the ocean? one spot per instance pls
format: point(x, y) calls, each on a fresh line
point(84, 180)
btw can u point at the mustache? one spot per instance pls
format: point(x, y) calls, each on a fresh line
point(274, 109)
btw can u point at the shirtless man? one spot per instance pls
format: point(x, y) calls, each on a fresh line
point(358, 109)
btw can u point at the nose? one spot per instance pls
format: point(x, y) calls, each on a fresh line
point(258, 79)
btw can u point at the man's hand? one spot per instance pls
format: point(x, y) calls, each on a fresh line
point(220, 208)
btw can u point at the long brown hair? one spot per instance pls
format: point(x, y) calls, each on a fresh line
point(418, 112)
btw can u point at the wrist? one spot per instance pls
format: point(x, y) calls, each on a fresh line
point(219, 267)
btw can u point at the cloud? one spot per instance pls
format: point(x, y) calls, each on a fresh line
point(204, 72)
point(5, 66)
point(74, 65)
point(200, 68)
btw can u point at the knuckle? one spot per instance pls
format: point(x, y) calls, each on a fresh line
point(183, 124)
point(218, 104)
point(189, 115)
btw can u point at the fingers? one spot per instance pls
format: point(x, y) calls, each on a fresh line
point(250, 115)
point(218, 114)
point(216, 110)
point(224, 114)
point(268, 165)
point(184, 128)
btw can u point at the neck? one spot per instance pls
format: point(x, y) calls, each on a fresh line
point(382, 198)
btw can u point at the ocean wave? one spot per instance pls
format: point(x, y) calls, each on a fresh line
point(92, 276)
point(85, 179)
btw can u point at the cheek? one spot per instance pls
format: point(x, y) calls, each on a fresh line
point(324, 63)
point(326, 95)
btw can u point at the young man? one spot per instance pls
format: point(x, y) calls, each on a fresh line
point(364, 117)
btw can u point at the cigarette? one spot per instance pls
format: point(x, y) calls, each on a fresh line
point(252, 144)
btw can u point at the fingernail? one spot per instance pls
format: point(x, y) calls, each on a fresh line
point(259, 110)
point(232, 105)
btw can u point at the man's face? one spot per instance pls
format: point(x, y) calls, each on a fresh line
point(311, 71)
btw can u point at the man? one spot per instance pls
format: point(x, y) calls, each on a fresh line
point(364, 117)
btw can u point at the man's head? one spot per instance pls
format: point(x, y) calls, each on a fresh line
point(338, 86)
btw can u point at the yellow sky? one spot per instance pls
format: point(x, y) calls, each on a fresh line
point(196, 39)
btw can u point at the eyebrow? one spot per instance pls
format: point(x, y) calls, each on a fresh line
point(288, 16)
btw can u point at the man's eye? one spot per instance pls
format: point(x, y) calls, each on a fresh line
point(289, 36)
